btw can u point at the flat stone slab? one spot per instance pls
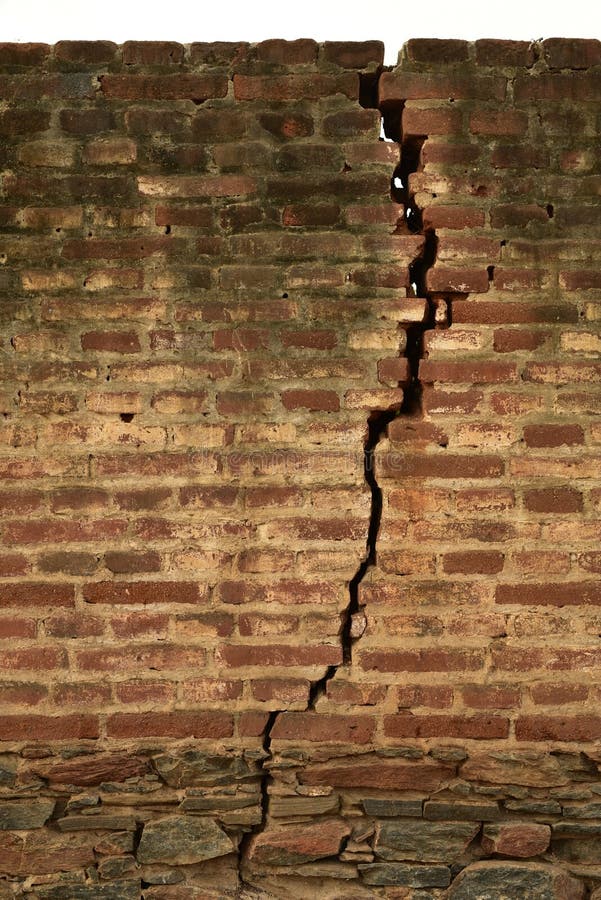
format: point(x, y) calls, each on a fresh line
point(182, 840)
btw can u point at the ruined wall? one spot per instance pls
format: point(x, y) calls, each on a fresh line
point(301, 471)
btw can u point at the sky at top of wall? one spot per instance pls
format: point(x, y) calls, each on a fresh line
point(393, 21)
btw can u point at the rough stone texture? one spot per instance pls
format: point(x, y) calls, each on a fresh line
point(181, 840)
point(517, 839)
point(214, 274)
point(504, 881)
point(299, 843)
point(424, 841)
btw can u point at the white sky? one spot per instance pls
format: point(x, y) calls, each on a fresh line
point(393, 21)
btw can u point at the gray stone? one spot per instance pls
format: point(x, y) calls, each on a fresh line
point(582, 811)
point(303, 806)
point(158, 875)
point(403, 874)
point(251, 816)
point(575, 829)
point(375, 806)
point(24, 814)
point(118, 842)
point(200, 804)
point(182, 840)
point(8, 769)
point(538, 807)
point(195, 768)
point(512, 880)
point(586, 850)
point(443, 810)
point(98, 822)
point(118, 890)
point(116, 866)
point(424, 841)
point(327, 870)
point(529, 768)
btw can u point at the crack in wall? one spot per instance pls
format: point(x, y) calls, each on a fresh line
point(437, 315)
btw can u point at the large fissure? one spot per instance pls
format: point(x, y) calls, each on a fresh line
point(436, 315)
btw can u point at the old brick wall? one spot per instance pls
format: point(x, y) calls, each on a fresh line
point(301, 470)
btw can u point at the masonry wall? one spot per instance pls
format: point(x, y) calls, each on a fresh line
point(301, 470)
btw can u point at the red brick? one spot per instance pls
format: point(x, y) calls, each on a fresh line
point(443, 660)
point(512, 340)
point(433, 696)
point(155, 657)
point(31, 54)
point(252, 724)
point(128, 561)
point(494, 52)
point(23, 121)
point(560, 728)
point(452, 217)
point(462, 281)
point(578, 87)
point(164, 87)
point(288, 53)
point(302, 214)
point(315, 727)
point(553, 435)
point(489, 372)
point(572, 53)
point(218, 53)
point(294, 87)
point(140, 692)
point(241, 655)
point(22, 693)
point(111, 341)
point(25, 594)
point(211, 690)
point(14, 627)
point(499, 122)
point(441, 465)
point(555, 500)
point(436, 51)
point(58, 531)
point(474, 562)
point(354, 54)
point(13, 564)
point(36, 728)
point(475, 727)
point(558, 694)
point(282, 690)
point(152, 53)
point(201, 725)
point(142, 592)
point(479, 696)
point(79, 693)
point(324, 401)
point(351, 124)
point(399, 86)
point(91, 53)
point(429, 120)
point(569, 593)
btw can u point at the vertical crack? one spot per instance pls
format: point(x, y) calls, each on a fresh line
point(266, 779)
point(437, 315)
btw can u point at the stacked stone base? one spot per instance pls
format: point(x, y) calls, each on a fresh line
point(408, 822)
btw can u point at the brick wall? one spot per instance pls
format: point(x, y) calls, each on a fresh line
point(301, 470)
